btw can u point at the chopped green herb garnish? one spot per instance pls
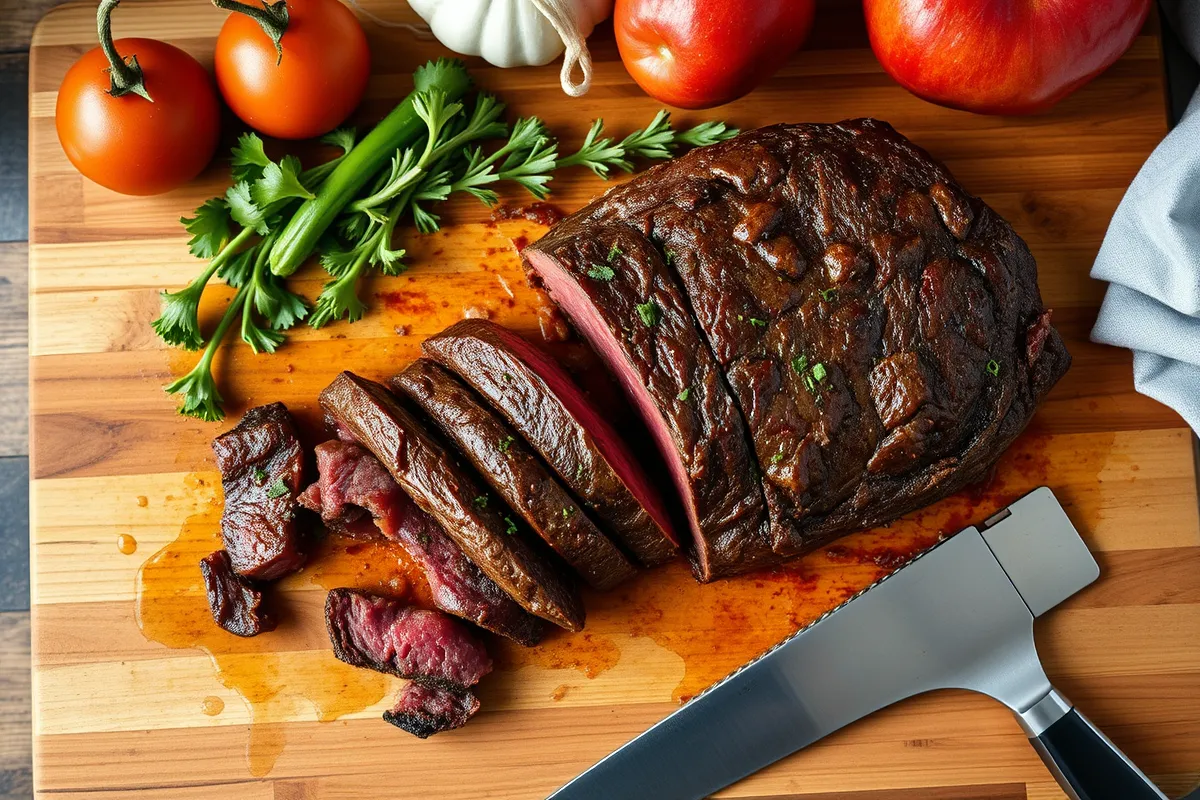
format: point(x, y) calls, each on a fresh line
point(828, 294)
point(684, 395)
point(614, 253)
point(601, 272)
point(649, 313)
point(424, 539)
point(568, 511)
point(800, 364)
point(481, 501)
point(993, 368)
point(508, 377)
point(510, 527)
point(758, 323)
point(670, 254)
point(505, 443)
point(578, 471)
point(775, 459)
point(818, 372)
point(260, 475)
point(278, 489)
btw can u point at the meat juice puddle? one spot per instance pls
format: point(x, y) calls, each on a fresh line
point(278, 673)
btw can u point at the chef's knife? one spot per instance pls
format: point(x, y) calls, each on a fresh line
point(958, 616)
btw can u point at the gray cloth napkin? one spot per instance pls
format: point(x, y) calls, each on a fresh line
point(1151, 258)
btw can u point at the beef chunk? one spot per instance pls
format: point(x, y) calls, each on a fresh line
point(352, 483)
point(383, 634)
point(514, 472)
point(262, 470)
point(448, 491)
point(879, 329)
point(544, 405)
point(425, 710)
point(236, 604)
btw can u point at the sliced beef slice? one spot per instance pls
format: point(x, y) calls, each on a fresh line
point(514, 472)
point(353, 485)
point(262, 471)
point(383, 634)
point(448, 491)
point(544, 405)
point(236, 603)
point(665, 367)
point(425, 710)
point(880, 329)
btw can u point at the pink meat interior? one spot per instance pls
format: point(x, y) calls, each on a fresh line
point(566, 293)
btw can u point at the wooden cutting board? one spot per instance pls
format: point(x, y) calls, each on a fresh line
point(137, 694)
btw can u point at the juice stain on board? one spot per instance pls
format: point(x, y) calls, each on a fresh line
point(279, 673)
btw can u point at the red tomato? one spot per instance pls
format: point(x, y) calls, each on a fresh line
point(312, 87)
point(1000, 56)
point(130, 144)
point(702, 53)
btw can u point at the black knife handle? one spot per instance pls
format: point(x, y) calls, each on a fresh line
point(1087, 764)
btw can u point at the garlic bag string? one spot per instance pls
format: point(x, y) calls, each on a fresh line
point(561, 15)
point(421, 31)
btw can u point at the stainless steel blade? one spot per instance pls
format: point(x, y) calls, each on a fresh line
point(950, 618)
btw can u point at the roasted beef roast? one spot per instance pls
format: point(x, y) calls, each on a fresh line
point(823, 330)
point(453, 495)
point(352, 483)
point(514, 472)
point(262, 471)
point(544, 405)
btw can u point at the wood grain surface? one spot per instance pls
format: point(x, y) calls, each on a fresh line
point(137, 694)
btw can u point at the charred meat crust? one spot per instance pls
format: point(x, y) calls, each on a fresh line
point(426, 710)
point(814, 257)
point(352, 482)
point(514, 472)
point(262, 471)
point(446, 490)
point(236, 603)
point(542, 403)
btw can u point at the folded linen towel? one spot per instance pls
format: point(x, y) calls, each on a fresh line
point(1151, 258)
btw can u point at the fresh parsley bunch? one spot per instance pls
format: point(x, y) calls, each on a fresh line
point(455, 151)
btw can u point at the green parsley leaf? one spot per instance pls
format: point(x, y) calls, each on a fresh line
point(828, 294)
point(684, 395)
point(510, 527)
point(249, 158)
point(505, 443)
point(993, 368)
point(670, 254)
point(775, 459)
point(209, 228)
point(568, 511)
point(601, 272)
point(277, 489)
point(758, 323)
point(613, 253)
point(818, 372)
point(800, 364)
point(260, 475)
point(244, 210)
point(279, 181)
point(481, 501)
point(649, 313)
point(578, 471)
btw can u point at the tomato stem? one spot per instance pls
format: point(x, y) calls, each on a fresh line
point(126, 75)
point(271, 17)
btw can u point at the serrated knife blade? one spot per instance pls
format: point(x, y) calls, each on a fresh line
point(959, 615)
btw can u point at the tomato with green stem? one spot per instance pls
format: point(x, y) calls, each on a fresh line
point(292, 69)
point(137, 116)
